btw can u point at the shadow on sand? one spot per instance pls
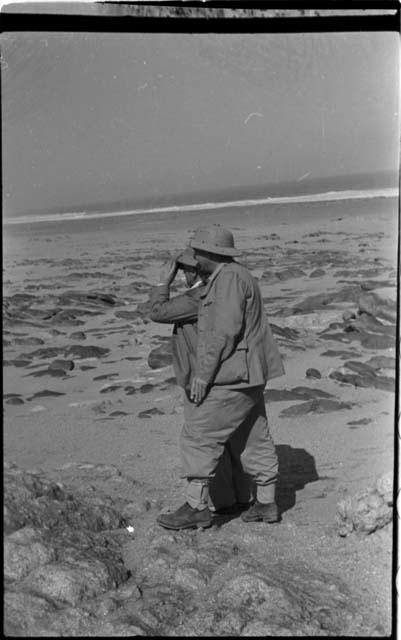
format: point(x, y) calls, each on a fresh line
point(296, 468)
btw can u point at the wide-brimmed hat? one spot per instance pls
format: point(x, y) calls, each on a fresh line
point(215, 239)
point(186, 258)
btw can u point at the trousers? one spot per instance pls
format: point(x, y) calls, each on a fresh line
point(226, 442)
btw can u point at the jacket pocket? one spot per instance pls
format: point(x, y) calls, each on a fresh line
point(234, 369)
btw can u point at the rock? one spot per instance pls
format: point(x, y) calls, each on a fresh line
point(111, 388)
point(47, 393)
point(284, 332)
point(297, 393)
point(317, 273)
point(384, 484)
point(360, 367)
point(381, 362)
point(23, 552)
point(333, 353)
point(310, 393)
point(118, 630)
point(263, 629)
point(45, 353)
point(146, 388)
point(315, 406)
point(24, 612)
point(161, 356)
point(291, 272)
point(89, 351)
point(148, 413)
point(30, 340)
point(69, 582)
point(280, 395)
point(230, 624)
point(257, 595)
point(365, 380)
point(365, 512)
point(376, 306)
point(313, 373)
point(78, 335)
point(14, 400)
point(377, 341)
point(128, 315)
point(63, 365)
point(348, 315)
point(349, 378)
point(189, 578)
point(269, 277)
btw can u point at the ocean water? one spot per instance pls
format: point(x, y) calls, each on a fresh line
point(235, 216)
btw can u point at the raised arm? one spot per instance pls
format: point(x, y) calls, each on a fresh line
point(179, 309)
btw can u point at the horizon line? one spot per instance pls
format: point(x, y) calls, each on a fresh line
point(327, 196)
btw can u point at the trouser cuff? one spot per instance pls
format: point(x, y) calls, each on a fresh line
point(197, 494)
point(265, 493)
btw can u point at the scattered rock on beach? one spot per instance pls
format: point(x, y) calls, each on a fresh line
point(15, 400)
point(364, 380)
point(148, 413)
point(161, 356)
point(62, 365)
point(315, 406)
point(297, 393)
point(317, 273)
point(78, 335)
point(89, 351)
point(313, 373)
point(333, 353)
point(359, 422)
point(377, 307)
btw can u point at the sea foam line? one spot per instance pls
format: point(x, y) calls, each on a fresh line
point(207, 206)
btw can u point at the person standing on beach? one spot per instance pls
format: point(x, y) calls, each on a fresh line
point(236, 355)
point(230, 485)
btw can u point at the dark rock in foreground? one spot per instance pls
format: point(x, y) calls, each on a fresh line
point(59, 556)
point(64, 574)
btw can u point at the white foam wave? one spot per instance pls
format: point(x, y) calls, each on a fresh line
point(207, 206)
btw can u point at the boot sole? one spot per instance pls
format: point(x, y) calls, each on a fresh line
point(266, 520)
point(196, 525)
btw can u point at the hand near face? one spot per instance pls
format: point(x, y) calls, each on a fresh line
point(168, 272)
point(198, 390)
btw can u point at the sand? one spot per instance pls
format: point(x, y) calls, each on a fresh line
point(88, 277)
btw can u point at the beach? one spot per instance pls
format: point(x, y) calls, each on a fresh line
point(80, 395)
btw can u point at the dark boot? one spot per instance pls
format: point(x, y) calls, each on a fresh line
point(185, 517)
point(261, 512)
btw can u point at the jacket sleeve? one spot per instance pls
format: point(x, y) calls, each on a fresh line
point(227, 312)
point(182, 308)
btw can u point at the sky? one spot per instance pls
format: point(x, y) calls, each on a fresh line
point(90, 118)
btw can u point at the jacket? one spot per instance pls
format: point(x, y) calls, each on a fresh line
point(236, 347)
point(182, 311)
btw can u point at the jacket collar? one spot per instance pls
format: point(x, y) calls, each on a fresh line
point(212, 279)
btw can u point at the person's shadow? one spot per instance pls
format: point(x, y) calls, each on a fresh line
point(296, 467)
